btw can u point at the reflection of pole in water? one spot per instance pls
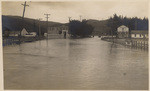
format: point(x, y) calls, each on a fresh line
point(111, 47)
point(39, 30)
point(47, 26)
point(65, 34)
point(40, 42)
point(47, 42)
point(20, 50)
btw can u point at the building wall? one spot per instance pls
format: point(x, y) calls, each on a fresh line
point(53, 30)
point(32, 34)
point(123, 32)
point(124, 29)
point(24, 32)
point(139, 35)
point(13, 35)
point(56, 30)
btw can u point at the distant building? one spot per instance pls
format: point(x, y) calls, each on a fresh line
point(31, 34)
point(58, 29)
point(14, 33)
point(139, 34)
point(123, 32)
point(6, 32)
point(64, 28)
point(24, 33)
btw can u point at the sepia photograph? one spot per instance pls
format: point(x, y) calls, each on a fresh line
point(75, 44)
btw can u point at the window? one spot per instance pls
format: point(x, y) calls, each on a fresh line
point(135, 35)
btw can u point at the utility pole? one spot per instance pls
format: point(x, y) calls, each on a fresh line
point(47, 23)
point(80, 17)
point(22, 19)
point(135, 24)
point(69, 19)
point(24, 8)
point(69, 25)
point(40, 27)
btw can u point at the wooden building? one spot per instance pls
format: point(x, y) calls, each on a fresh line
point(139, 34)
point(123, 31)
point(59, 29)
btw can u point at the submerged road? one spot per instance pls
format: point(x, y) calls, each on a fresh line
point(75, 64)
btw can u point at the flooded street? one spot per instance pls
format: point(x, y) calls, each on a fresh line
point(75, 64)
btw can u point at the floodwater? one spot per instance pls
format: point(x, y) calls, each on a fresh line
point(75, 64)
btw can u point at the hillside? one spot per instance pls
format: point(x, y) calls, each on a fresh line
point(100, 27)
point(15, 23)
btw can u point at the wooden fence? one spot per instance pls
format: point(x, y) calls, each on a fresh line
point(140, 44)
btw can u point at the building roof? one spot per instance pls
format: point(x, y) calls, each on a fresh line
point(139, 31)
point(12, 32)
point(122, 26)
point(58, 25)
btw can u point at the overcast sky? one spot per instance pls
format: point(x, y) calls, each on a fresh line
point(60, 11)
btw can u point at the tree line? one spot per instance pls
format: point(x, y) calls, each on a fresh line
point(133, 23)
point(80, 28)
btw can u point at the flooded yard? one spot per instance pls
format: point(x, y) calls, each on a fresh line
point(74, 64)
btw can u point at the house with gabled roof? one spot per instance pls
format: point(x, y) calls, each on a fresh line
point(123, 31)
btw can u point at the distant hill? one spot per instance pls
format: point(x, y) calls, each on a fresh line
point(100, 27)
point(15, 23)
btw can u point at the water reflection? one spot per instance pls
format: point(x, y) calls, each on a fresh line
point(88, 63)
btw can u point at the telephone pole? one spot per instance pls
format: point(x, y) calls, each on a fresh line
point(40, 27)
point(135, 24)
point(69, 19)
point(69, 25)
point(25, 5)
point(47, 22)
point(80, 17)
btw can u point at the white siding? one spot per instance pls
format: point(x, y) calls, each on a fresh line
point(24, 32)
point(122, 29)
point(139, 35)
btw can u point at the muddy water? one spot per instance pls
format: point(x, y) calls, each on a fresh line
point(72, 64)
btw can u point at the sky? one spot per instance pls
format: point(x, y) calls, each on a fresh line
point(61, 10)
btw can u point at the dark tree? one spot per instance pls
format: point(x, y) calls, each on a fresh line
point(114, 22)
point(81, 29)
point(133, 23)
